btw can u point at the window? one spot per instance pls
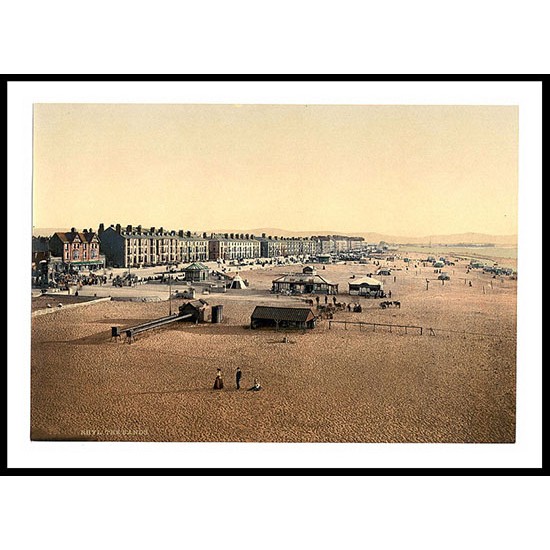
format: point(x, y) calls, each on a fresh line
point(76, 254)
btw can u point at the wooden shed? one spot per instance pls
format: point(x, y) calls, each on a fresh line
point(199, 311)
point(282, 317)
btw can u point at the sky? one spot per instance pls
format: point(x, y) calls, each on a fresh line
point(398, 170)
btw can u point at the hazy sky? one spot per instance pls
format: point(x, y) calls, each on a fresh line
point(398, 170)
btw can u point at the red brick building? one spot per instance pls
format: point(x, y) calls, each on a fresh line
point(77, 250)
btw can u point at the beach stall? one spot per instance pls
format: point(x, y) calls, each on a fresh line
point(303, 284)
point(366, 286)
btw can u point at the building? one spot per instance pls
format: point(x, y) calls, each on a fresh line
point(303, 283)
point(196, 272)
point(282, 317)
point(233, 247)
point(366, 286)
point(138, 247)
point(77, 250)
point(198, 310)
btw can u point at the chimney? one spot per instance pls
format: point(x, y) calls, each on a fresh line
point(232, 235)
point(226, 235)
point(263, 235)
point(139, 229)
point(129, 228)
point(152, 230)
point(204, 235)
point(73, 230)
point(100, 229)
point(180, 233)
point(161, 230)
point(189, 234)
point(242, 235)
point(118, 228)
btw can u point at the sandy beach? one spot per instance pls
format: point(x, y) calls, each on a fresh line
point(454, 383)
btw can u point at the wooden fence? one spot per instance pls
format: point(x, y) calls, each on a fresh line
point(374, 325)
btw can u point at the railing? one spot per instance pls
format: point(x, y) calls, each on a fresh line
point(430, 331)
point(374, 325)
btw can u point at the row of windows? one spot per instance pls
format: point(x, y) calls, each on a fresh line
point(77, 245)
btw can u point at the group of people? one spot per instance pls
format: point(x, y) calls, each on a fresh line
point(218, 383)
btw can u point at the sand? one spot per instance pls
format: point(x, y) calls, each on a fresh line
point(456, 384)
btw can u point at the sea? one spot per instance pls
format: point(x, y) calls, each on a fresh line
point(481, 252)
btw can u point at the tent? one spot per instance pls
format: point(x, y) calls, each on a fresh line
point(237, 283)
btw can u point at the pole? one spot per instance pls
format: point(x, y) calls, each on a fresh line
point(170, 290)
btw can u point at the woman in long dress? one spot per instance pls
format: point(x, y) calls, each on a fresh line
point(218, 383)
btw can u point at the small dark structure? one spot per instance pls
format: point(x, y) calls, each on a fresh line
point(197, 311)
point(282, 317)
point(196, 272)
point(309, 270)
point(217, 314)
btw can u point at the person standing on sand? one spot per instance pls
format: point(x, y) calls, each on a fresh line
point(218, 383)
point(238, 376)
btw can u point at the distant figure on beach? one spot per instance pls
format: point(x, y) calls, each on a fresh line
point(256, 386)
point(238, 376)
point(326, 300)
point(218, 383)
point(317, 300)
point(469, 283)
point(389, 293)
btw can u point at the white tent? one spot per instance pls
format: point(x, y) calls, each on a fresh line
point(237, 283)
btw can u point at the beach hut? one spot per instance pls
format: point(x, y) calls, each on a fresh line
point(199, 311)
point(282, 317)
point(383, 271)
point(366, 286)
